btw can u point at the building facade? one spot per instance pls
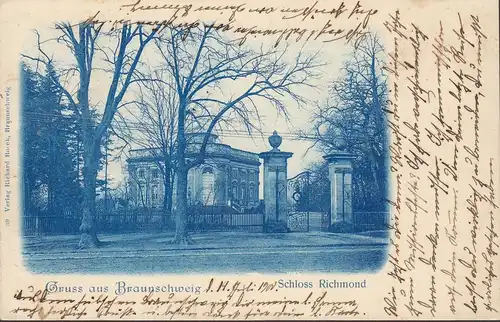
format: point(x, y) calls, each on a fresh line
point(228, 176)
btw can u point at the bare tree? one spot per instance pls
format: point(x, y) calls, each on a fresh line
point(82, 42)
point(218, 83)
point(152, 125)
point(353, 120)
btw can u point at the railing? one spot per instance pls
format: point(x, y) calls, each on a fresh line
point(135, 222)
point(141, 221)
point(226, 222)
point(145, 153)
point(370, 220)
point(153, 221)
point(50, 225)
point(124, 221)
point(224, 149)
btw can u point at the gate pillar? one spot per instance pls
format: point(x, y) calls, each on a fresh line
point(340, 174)
point(275, 191)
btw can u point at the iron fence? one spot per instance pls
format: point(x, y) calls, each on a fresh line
point(364, 221)
point(69, 223)
point(153, 221)
point(140, 221)
point(251, 222)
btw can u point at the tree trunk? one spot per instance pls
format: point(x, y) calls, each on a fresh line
point(167, 188)
point(167, 196)
point(181, 234)
point(50, 180)
point(87, 228)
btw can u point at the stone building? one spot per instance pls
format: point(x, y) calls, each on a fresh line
point(228, 176)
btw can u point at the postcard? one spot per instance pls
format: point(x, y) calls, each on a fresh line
point(249, 160)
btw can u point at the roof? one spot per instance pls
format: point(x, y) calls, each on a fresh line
point(213, 150)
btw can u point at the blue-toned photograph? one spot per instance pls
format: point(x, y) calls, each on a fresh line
point(190, 150)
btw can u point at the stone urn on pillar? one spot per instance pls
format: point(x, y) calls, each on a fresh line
point(275, 191)
point(275, 141)
point(340, 174)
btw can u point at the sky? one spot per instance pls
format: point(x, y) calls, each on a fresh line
point(332, 54)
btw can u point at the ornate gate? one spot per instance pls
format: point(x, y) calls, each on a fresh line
point(309, 202)
point(298, 205)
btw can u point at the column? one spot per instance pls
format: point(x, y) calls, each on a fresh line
point(340, 174)
point(275, 192)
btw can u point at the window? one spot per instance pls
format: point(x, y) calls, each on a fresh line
point(250, 192)
point(243, 193)
point(208, 186)
point(140, 192)
point(154, 192)
point(154, 174)
point(234, 191)
point(141, 173)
